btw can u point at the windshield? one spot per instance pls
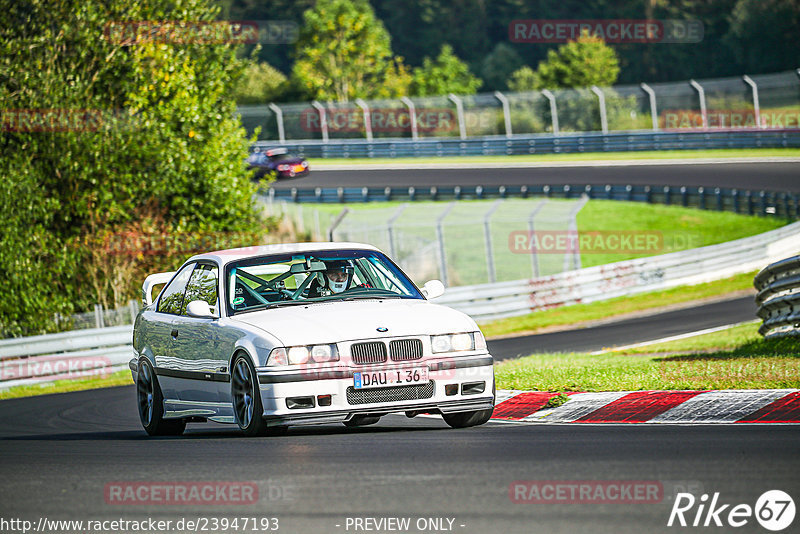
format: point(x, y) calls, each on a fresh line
point(303, 278)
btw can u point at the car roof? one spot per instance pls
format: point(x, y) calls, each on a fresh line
point(277, 151)
point(223, 257)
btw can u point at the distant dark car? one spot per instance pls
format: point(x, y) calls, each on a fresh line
point(278, 160)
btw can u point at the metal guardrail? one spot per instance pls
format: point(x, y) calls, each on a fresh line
point(507, 299)
point(541, 144)
point(101, 351)
point(767, 203)
point(66, 355)
point(778, 298)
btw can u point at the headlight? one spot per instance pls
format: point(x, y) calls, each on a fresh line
point(454, 342)
point(303, 354)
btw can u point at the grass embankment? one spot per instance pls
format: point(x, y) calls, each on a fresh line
point(120, 378)
point(583, 156)
point(620, 306)
point(737, 358)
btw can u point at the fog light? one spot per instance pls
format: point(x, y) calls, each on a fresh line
point(473, 388)
point(324, 400)
point(451, 389)
point(296, 403)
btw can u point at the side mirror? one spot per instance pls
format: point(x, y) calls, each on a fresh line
point(433, 289)
point(200, 309)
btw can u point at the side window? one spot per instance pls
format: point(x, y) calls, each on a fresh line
point(202, 286)
point(171, 299)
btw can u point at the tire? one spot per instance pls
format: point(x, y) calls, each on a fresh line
point(362, 420)
point(467, 419)
point(150, 402)
point(246, 397)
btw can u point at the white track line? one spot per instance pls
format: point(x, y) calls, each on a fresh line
point(670, 338)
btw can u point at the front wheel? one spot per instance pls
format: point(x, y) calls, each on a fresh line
point(247, 406)
point(467, 419)
point(151, 404)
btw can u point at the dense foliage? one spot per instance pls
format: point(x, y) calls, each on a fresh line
point(106, 143)
point(740, 36)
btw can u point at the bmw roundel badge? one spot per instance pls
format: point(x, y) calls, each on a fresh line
point(382, 329)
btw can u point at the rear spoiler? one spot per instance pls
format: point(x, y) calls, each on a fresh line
point(152, 280)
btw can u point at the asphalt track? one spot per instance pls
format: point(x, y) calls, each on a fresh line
point(753, 176)
point(58, 453)
point(635, 330)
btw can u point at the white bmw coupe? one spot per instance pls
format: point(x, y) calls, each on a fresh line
point(272, 336)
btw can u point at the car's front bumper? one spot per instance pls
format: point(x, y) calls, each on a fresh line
point(277, 387)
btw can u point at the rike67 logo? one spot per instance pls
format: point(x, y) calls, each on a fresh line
point(774, 510)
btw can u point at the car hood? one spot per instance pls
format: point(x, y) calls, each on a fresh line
point(328, 322)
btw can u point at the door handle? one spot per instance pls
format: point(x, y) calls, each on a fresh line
point(175, 334)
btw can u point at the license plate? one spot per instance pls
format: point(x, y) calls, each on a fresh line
point(390, 377)
point(298, 168)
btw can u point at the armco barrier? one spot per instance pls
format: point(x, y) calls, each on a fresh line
point(66, 355)
point(752, 202)
point(507, 299)
point(778, 298)
point(541, 144)
point(84, 352)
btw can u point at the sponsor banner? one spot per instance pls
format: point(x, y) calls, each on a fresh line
point(610, 30)
point(127, 33)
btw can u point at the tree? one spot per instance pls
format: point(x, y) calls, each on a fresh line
point(522, 79)
point(101, 133)
point(443, 75)
point(498, 66)
point(763, 34)
point(260, 84)
point(344, 53)
point(584, 62)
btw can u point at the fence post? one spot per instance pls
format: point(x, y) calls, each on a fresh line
point(553, 110)
point(603, 116)
point(756, 105)
point(506, 111)
point(462, 127)
point(390, 229)
point(367, 118)
point(339, 218)
point(134, 307)
point(98, 316)
point(702, 94)
point(572, 229)
point(487, 239)
point(440, 239)
point(412, 115)
point(653, 109)
point(531, 236)
point(323, 120)
point(279, 119)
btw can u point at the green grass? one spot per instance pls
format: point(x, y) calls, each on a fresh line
point(583, 156)
point(730, 338)
point(577, 313)
point(675, 228)
point(120, 378)
point(745, 361)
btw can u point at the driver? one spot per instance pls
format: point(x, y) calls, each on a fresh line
point(337, 278)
